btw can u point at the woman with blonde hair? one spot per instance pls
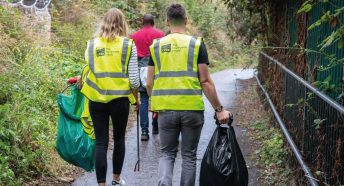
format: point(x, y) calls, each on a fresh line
point(110, 81)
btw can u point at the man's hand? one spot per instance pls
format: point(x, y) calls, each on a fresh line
point(223, 116)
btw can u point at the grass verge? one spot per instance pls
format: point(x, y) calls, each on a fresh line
point(270, 153)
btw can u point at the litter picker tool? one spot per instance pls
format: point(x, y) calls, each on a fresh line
point(137, 165)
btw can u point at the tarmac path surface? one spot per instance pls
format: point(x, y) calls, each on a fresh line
point(227, 88)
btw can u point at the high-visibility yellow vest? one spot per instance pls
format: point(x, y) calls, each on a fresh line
point(176, 83)
point(107, 69)
point(86, 120)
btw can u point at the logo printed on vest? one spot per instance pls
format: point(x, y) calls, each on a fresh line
point(166, 48)
point(100, 52)
point(111, 51)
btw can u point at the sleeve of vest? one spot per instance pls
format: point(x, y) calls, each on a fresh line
point(133, 69)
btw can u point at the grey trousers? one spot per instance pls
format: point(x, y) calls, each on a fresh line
point(171, 124)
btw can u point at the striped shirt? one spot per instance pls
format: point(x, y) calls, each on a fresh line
point(133, 69)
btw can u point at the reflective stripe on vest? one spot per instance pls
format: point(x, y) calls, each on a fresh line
point(176, 74)
point(176, 92)
point(189, 71)
point(122, 74)
point(106, 92)
point(108, 80)
point(176, 84)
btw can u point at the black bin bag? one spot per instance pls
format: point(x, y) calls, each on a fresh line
point(223, 163)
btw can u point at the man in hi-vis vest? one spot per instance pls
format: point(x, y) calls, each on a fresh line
point(177, 76)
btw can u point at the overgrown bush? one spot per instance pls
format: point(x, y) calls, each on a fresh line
point(29, 115)
point(73, 24)
point(12, 38)
point(28, 109)
point(214, 23)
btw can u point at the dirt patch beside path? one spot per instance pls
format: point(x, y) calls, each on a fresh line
point(263, 147)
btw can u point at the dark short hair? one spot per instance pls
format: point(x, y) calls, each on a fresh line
point(176, 13)
point(148, 19)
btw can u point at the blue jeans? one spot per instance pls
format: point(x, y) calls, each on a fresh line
point(144, 120)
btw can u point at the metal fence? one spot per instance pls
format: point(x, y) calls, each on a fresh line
point(315, 121)
point(314, 38)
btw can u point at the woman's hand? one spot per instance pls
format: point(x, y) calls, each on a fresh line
point(78, 82)
point(138, 105)
point(149, 105)
point(223, 116)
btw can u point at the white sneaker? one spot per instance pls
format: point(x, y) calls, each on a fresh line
point(121, 182)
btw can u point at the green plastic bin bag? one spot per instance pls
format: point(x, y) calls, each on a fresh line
point(73, 144)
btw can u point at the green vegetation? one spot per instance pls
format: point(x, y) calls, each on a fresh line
point(27, 104)
point(328, 17)
point(215, 25)
point(272, 154)
point(28, 118)
point(310, 32)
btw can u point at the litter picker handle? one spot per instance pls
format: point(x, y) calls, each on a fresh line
point(67, 87)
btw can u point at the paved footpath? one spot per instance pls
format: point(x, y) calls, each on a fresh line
point(227, 88)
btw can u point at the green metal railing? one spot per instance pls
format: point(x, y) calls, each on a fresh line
point(314, 121)
point(314, 118)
